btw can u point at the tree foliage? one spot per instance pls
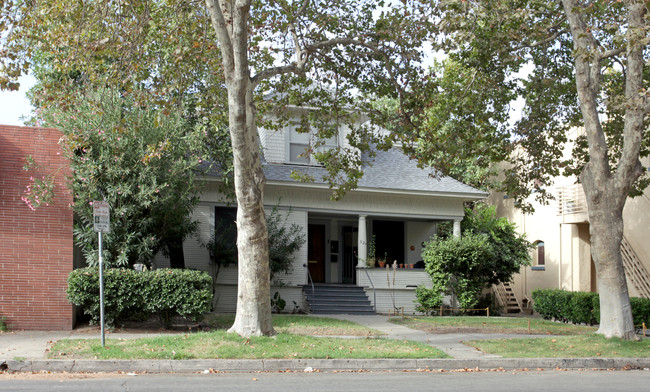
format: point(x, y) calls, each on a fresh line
point(140, 160)
point(577, 65)
point(490, 251)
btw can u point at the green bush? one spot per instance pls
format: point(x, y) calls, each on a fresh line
point(552, 304)
point(581, 307)
point(130, 294)
point(427, 300)
point(640, 310)
point(3, 324)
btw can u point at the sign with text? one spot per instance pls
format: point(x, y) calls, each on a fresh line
point(101, 215)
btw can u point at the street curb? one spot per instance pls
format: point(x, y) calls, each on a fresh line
point(275, 365)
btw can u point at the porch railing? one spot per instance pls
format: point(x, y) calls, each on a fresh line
point(571, 200)
point(310, 280)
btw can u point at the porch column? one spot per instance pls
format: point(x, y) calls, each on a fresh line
point(362, 245)
point(456, 227)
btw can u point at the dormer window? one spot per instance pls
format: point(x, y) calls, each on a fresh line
point(299, 143)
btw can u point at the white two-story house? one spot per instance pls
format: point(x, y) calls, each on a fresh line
point(396, 203)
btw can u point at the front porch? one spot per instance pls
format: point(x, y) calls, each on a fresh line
point(338, 245)
point(337, 254)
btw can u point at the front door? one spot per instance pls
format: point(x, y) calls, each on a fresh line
point(350, 237)
point(316, 252)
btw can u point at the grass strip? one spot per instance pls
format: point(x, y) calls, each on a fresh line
point(581, 346)
point(519, 325)
point(220, 344)
point(300, 325)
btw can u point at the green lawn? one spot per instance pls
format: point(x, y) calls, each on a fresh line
point(294, 340)
point(519, 325)
point(580, 346)
point(300, 325)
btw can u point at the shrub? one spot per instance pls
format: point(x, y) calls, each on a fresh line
point(640, 310)
point(581, 307)
point(3, 324)
point(277, 303)
point(427, 300)
point(130, 294)
point(457, 265)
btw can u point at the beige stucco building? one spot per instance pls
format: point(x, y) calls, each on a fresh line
point(562, 258)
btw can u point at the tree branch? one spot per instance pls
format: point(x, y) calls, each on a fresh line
point(270, 72)
point(307, 51)
point(629, 166)
point(551, 38)
point(587, 83)
point(221, 29)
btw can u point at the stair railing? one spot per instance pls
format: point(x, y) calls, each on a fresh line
point(374, 293)
point(310, 280)
point(500, 294)
point(634, 269)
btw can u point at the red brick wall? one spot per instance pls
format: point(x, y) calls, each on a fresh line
point(35, 246)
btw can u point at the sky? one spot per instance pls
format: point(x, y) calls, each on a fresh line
point(14, 104)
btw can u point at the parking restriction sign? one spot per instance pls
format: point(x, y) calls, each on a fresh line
point(101, 215)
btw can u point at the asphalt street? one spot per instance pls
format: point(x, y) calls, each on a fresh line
point(459, 381)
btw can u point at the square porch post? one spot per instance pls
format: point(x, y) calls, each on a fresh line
point(456, 227)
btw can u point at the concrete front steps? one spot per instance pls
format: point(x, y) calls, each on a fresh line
point(337, 299)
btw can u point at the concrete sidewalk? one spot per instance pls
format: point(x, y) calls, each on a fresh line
point(36, 344)
point(450, 343)
point(26, 351)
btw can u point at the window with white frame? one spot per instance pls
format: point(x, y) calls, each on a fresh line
point(299, 142)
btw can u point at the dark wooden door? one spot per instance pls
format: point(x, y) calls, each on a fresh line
point(350, 238)
point(316, 252)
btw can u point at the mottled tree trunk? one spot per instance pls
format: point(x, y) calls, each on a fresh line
point(607, 188)
point(606, 228)
point(253, 318)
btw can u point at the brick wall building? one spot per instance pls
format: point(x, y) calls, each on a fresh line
point(36, 247)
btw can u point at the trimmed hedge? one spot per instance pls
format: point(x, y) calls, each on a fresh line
point(581, 307)
point(130, 294)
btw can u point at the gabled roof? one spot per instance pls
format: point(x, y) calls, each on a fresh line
point(390, 171)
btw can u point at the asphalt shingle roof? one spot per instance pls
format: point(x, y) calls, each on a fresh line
point(390, 170)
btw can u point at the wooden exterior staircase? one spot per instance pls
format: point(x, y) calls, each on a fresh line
point(634, 269)
point(507, 298)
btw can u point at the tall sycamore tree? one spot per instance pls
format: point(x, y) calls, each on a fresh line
point(577, 64)
point(354, 41)
point(227, 56)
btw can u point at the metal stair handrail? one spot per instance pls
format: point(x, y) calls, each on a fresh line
point(309, 279)
point(374, 294)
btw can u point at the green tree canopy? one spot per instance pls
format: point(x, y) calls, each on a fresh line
point(488, 252)
point(142, 160)
point(577, 65)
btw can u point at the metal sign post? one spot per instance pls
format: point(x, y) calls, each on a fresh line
point(101, 215)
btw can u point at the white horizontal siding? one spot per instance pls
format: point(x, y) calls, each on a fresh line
point(275, 146)
point(227, 298)
point(383, 278)
point(197, 256)
point(298, 274)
